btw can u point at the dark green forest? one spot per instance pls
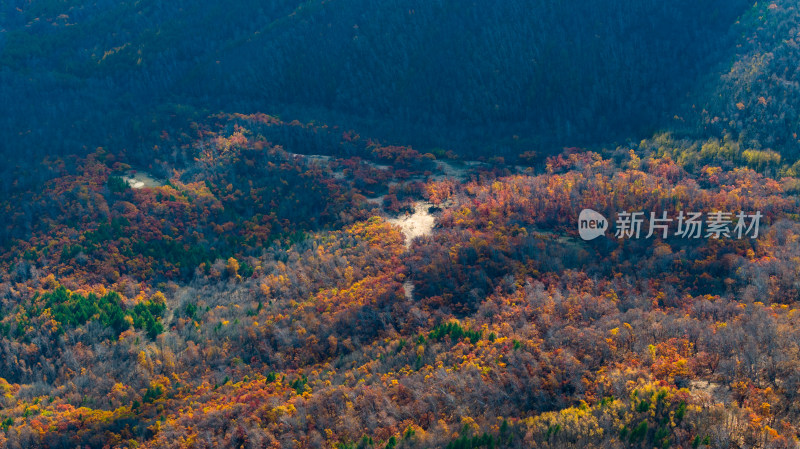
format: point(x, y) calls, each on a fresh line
point(474, 77)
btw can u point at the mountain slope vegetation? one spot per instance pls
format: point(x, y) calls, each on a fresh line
point(207, 211)
point(469, 76)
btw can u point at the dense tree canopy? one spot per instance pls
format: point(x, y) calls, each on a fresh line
point(261, 298)
point(353, 224)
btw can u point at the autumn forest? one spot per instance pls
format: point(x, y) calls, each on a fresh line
point(355, 225)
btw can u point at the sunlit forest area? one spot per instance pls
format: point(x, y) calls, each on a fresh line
point(353, 225)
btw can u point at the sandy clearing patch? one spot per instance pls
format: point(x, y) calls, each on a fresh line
point(408, 290)
point(311, 157)
point(418, 224)
point(376, 165)
point(141, 180)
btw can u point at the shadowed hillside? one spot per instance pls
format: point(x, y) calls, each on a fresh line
point(512, 76)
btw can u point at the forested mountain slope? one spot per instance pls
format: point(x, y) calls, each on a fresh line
point(757, 99)
point(260, 298)
point(352, 224)
point(470, 76)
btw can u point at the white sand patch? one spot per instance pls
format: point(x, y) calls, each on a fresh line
point(418, 224)
point(141, 180)
point(408, 290)
point(376, 165)
point(318, 158)
point(311, 157)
